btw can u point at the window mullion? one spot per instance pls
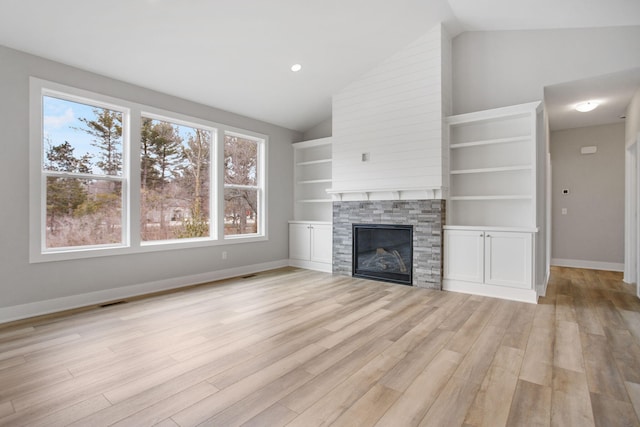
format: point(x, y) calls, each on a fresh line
point(219, 192)
point(78, 175)
point(242, 187)
point(133, 166)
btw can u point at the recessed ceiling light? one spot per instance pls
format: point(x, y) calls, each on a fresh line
point(296, 67)
point(586, 106)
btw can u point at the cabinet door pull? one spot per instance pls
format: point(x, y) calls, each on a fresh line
point(488, 235)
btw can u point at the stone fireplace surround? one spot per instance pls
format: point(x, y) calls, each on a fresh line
point(426, 216)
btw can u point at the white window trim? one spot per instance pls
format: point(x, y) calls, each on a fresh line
point(262, 142)
point(180, 119)
point(132, 243)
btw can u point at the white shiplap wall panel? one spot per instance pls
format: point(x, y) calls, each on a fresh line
point(391, 148)
point(409, 126)
point(422, 51)
point(385, 162)
point(395, 114)
point(405, 101)
point(393, 84)
point(392, 111)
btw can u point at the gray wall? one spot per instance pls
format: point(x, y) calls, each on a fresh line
point(593, 229)
point(21, 282)
point(501, 68)
point(321, 130)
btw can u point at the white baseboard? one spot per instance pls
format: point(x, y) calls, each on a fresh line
point(591, 265)
point(23, 311)
point(311, 265)
point(541, 288)
point(503, 292)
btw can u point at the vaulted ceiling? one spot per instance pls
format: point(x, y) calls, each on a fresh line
point(236, 54)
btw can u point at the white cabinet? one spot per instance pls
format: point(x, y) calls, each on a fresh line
point(322, 243)
point(464, 255)
point(507, 259)
point(489, 262)
point(312, 178)
point(299, 241)
point(311, 245)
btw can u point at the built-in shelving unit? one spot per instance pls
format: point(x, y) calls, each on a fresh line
point(312, 179)
point(489, 239)
point(492, 178)
point(311, 232)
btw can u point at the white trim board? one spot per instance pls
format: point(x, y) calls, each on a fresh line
point(38, 308)
point(311, 265)
point(591, 265)
point(541, 288)
point(494, 291)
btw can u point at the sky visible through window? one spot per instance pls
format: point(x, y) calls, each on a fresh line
point(61, 122)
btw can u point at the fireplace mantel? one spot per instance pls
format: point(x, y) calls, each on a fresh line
point(417, 193)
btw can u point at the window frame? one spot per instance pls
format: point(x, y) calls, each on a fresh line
point(131, 242)
point(179, 119)
point(260, 187)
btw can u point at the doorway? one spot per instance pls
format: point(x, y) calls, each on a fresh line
point(612, 241)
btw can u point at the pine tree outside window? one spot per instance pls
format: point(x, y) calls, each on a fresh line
point(83, 170)
point(175, 188)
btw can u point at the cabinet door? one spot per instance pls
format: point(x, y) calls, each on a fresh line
point(321, 243)
point(299, 241)
point(508, 259)
point(463, 255)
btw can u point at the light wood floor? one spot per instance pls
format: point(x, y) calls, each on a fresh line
point(300, 348)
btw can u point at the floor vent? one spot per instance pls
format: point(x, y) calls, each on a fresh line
point(109, 304)
point(249, 276)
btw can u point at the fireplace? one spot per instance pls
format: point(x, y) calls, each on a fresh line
point(426, 217)
point(383, 252)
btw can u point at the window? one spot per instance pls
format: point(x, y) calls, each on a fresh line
point(174, 180)
point(83, 170)
point(109, 176)
point(243, 186)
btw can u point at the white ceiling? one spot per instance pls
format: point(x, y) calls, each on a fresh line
point(235, 54)
point(492, 15)
point(612, 91)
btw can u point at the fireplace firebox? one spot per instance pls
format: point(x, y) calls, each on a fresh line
point(383, 252)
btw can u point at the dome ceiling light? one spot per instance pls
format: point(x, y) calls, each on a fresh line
point(587, 106)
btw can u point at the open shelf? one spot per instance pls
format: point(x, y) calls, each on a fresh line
point(490, 141)
point(315, 181)
point(313, 167)
point(492, 161)
point(313, 162)
point(490, 170)
point(480, 212)
point(496, 157)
